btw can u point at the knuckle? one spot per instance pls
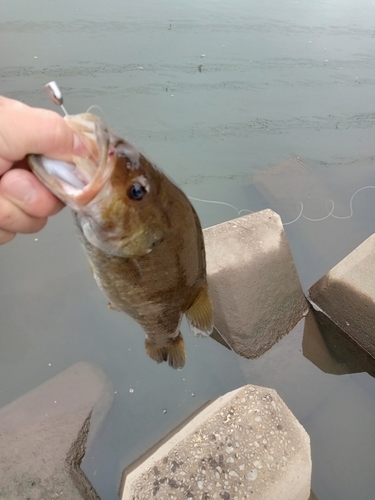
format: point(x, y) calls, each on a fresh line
point(14, 220)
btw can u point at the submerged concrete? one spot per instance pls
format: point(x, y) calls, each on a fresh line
point(43, 436)
point(316, 347)
point(331, 349)
point(346, 294)
point(253, 282)
point(246, 444)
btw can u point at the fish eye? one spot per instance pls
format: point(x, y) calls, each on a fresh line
point(136, 191)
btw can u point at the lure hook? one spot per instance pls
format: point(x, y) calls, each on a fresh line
point(55, 94)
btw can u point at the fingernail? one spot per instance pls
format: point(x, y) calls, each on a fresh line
point(79, 149)
point(21, 189)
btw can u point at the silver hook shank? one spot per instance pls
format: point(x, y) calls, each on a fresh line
point(54, 93)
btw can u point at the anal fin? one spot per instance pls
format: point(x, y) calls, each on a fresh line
point(200, 314)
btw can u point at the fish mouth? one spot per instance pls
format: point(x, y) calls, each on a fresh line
point(78, 183)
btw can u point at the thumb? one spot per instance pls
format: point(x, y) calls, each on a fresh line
point(25, 130)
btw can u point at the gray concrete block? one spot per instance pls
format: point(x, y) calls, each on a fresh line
point(346, 294)
point(246, 444)
point(253, 282)
point(43, 436)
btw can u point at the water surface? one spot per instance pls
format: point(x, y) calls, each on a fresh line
point(276, 79)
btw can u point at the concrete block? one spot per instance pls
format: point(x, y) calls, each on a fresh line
point(253, 282)
point(246, 444)
point(346, 294)
point(43, 436)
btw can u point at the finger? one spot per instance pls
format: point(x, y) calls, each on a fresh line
point(5, 165)
point(14, 220)
point(5, 236)
point(25, 130)
point(26, 192)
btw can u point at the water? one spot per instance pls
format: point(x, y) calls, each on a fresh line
point(277, 79)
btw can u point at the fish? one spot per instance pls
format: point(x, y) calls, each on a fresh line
point(140, 233)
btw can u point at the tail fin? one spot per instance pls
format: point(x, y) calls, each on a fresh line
point(174, 352)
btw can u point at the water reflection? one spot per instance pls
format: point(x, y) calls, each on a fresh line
point(332, 350)
point(328, 347)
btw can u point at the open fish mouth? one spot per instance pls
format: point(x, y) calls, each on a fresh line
point(78, 183)
point(67, 173)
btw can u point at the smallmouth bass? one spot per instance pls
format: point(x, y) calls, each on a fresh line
point(141, 235)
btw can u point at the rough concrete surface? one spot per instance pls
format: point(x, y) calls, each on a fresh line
point(43, 436)
point(246, 444)
point(346, 294)
point(253, 282)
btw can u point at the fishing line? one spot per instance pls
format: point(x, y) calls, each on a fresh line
point(309, 218)
point(301, 214)
point(96, 106)
point(296, 219)
point(216, 202)
point(351, 203)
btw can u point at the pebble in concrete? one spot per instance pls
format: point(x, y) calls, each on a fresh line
point(246, 444)
point(346, 294)
point(253, 282)
point(43, 436)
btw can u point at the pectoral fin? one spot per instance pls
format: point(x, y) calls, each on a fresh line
point(200, 314)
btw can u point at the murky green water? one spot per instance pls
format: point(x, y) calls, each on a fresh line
point(277, 79)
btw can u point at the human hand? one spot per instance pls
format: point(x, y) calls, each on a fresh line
point(25, 203)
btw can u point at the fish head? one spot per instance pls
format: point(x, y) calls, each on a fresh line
point(117, 193)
